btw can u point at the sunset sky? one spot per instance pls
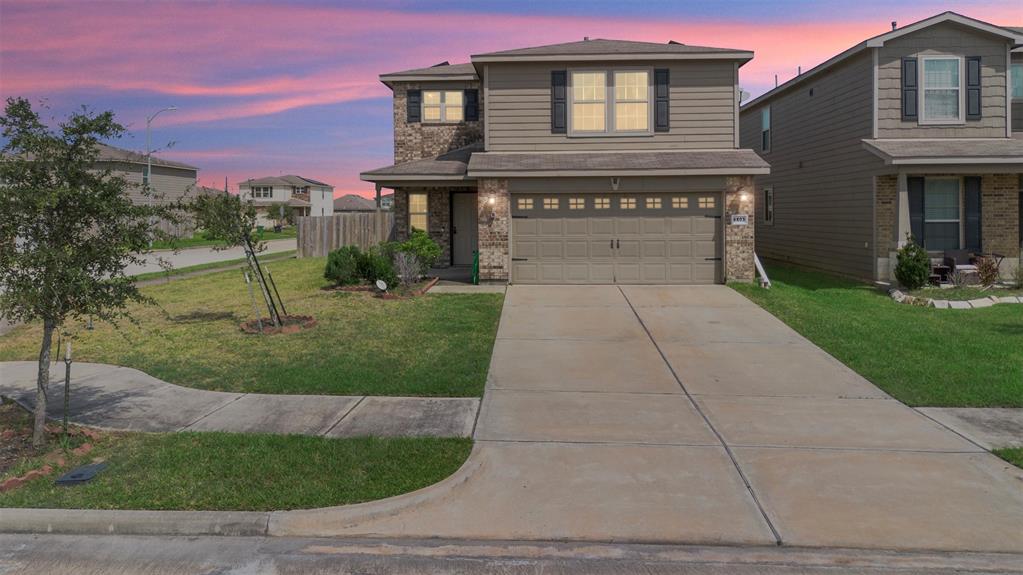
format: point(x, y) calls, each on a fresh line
point(265, 88)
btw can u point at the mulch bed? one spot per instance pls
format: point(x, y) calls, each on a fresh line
point(289, 324)
point(16, 445)
point(414, 290)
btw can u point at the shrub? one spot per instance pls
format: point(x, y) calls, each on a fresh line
point(343, 266)
point(408, 268)
point(423, 247)
point(987, 271)
point(374, 265)
point(914, 265)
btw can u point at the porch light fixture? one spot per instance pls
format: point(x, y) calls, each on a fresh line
point(744, 196)
point(491, 200)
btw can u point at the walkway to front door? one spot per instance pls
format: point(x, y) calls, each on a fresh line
point(690, 415)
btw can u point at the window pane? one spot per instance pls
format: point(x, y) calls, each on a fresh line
point(431, 113)
point(588, 86)
point(1017, 81)
point(588, 117)
point(680, 202)
point(653, 203)
point(765, 119)
point(453, 98)
point(627, 203)
point(707, 202)
point(941, 200)
point(431, 97)
point(943, 73)
point(631, 85)
point(941, 236)
point(631, 116)
point(576, 203)
point(550, 203)
point(525, 203)
point(941, 104)
point(417, 203)
point(602, 203)
point(452, 114)
point(418, 221)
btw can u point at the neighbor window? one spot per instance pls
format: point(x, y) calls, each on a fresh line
point(1017, 81)
point(443, 106)
point(589, 101)
point(768, 205)
point(941, 94)
point(707, 202)
point(601, 203)
point(627, 203)
point(765, 129)
point(550, 203)
point(525, 203)
point(941, 214)
point(653, 203)
point(680, 202)
point(417, 211)
point(576, 203)
point(262, 192)
point(632, 101)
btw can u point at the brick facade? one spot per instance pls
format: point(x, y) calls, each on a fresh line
point(999, 214)
point(739, 240)
point(438, 218)
point(494, 229)
point(424, 140)
point(886, 189)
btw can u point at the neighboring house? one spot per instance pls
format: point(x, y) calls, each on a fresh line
point(386, 201)
point(917, 130)
point(305, 196)
point(171, 181)
point(600, 161)
point(354, 203)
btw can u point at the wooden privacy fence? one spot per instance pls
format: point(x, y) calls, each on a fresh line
point(319, 235)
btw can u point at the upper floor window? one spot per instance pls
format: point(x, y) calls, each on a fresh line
point(1017, 81)
point(596, 108)
point(442, 106)
point(769, 205)
point(262, 192)
point(942, 94)
point(765, 129)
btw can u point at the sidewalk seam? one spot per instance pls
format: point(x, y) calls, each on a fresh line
point(343, 416)
point(204, 416)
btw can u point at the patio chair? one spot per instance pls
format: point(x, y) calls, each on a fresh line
point(962, 262)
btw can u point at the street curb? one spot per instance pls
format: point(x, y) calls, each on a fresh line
point(122, 522)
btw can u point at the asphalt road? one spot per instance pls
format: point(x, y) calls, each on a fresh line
point(123, 555)
point(199, 256)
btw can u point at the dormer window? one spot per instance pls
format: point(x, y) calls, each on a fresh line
point(941, 96)
point(442, 106)
point(610, 102)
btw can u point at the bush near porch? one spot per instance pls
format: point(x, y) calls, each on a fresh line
point(435, 345)
point(921, 356)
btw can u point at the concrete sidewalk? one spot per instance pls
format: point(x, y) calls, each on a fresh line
point(122, 398)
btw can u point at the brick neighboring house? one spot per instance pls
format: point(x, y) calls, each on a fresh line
point(917, 130)
point(307, 197)
point(599, 161)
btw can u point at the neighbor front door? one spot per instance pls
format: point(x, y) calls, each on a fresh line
point(463, 228)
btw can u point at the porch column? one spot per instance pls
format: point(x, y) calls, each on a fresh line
point(494, 221)
point(739, 239)
point(904, 225)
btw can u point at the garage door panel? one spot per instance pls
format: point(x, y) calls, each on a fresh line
point(600, 249)
point(654, 273)
point(627, 248)
point(525, 272)
point(680, 273)
point(704, 273)
point(627, 226)
point(577, 249)
point(705, 225)
point(653, 226)
point(654, 249)
point(627, 272)
point(551, 249)
point(525, 248)
point(680, 226)
point(601, 226)
point(550, 227)
point(680, 248)
point(704, 249)
point(576, 227)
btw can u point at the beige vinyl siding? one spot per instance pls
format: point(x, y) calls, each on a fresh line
point(702, 111)
point(945, 39)
point(1017, 106)
point(822, 177)
point(169, 185)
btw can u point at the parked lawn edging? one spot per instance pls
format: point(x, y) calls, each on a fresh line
point(899, 297)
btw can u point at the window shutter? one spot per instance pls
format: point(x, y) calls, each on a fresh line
point(662, 98)
point(909, 89)
point(472, 105)
point(972, 204)
point(973, 104)
point(916, 209)
point(559, 102)
point(414, 105)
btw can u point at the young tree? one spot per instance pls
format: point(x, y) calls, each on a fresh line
point(227, 218)
point(67, 229)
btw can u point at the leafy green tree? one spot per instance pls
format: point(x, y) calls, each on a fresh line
point(67, 229)
point(282, 214)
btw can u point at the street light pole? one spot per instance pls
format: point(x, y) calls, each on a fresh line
point(149, 149)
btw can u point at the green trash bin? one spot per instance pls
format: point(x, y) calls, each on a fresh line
point(475, 267)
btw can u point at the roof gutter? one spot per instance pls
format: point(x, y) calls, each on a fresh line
point(489, 59)
point(605, 173)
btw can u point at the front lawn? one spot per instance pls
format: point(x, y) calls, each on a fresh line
point(230, 471)
point(434, 345)
point(921, 356)
point(1013, 455)
point(963, 293)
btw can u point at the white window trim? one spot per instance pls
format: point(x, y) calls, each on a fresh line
point(769, 191)
point(443, 108)
point(609, 103)
point(922, 110)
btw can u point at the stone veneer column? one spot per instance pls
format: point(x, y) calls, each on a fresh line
point(494, 233)
point(739, 240)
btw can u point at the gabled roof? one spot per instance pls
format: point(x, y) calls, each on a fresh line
point(1012, 34)
point(638, 163)
point(108, 153)
point(926, 151)
point(288, 180)
point(447, 166)
point(603, 49)
point(354, 203)
point(442, 71)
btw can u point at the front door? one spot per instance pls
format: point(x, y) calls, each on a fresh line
point(463, 228)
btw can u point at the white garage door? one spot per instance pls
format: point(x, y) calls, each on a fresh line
point(660, 238)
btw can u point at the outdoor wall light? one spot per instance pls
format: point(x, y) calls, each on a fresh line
point(492, 215)
point(744, 196)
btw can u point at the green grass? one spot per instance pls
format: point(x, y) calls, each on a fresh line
point(434, 345)
point(922, 356)
point(227, 471)
point(1012, 455)
point(198, 241)
point(963, 293)
point(238, 262)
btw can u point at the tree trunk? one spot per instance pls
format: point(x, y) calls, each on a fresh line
point(42, 380)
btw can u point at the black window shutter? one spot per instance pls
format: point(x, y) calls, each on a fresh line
point(972, 204)
point(471, 102)
point(662, 99)
point(909, 89)
point(973, 104)
point(916, 209)
point(559, 102)
point(413, 105)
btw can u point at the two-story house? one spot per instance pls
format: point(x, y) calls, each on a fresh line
point(914, 131)
point(599, 161)
point(305, 196)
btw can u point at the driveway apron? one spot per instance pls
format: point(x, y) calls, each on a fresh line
point(690, 415)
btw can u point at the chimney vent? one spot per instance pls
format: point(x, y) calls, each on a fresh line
point(586, 38)
point(894, 24)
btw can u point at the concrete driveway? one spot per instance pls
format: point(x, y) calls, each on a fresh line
point(690, 415)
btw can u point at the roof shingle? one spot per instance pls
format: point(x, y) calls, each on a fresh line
point(601, 46)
